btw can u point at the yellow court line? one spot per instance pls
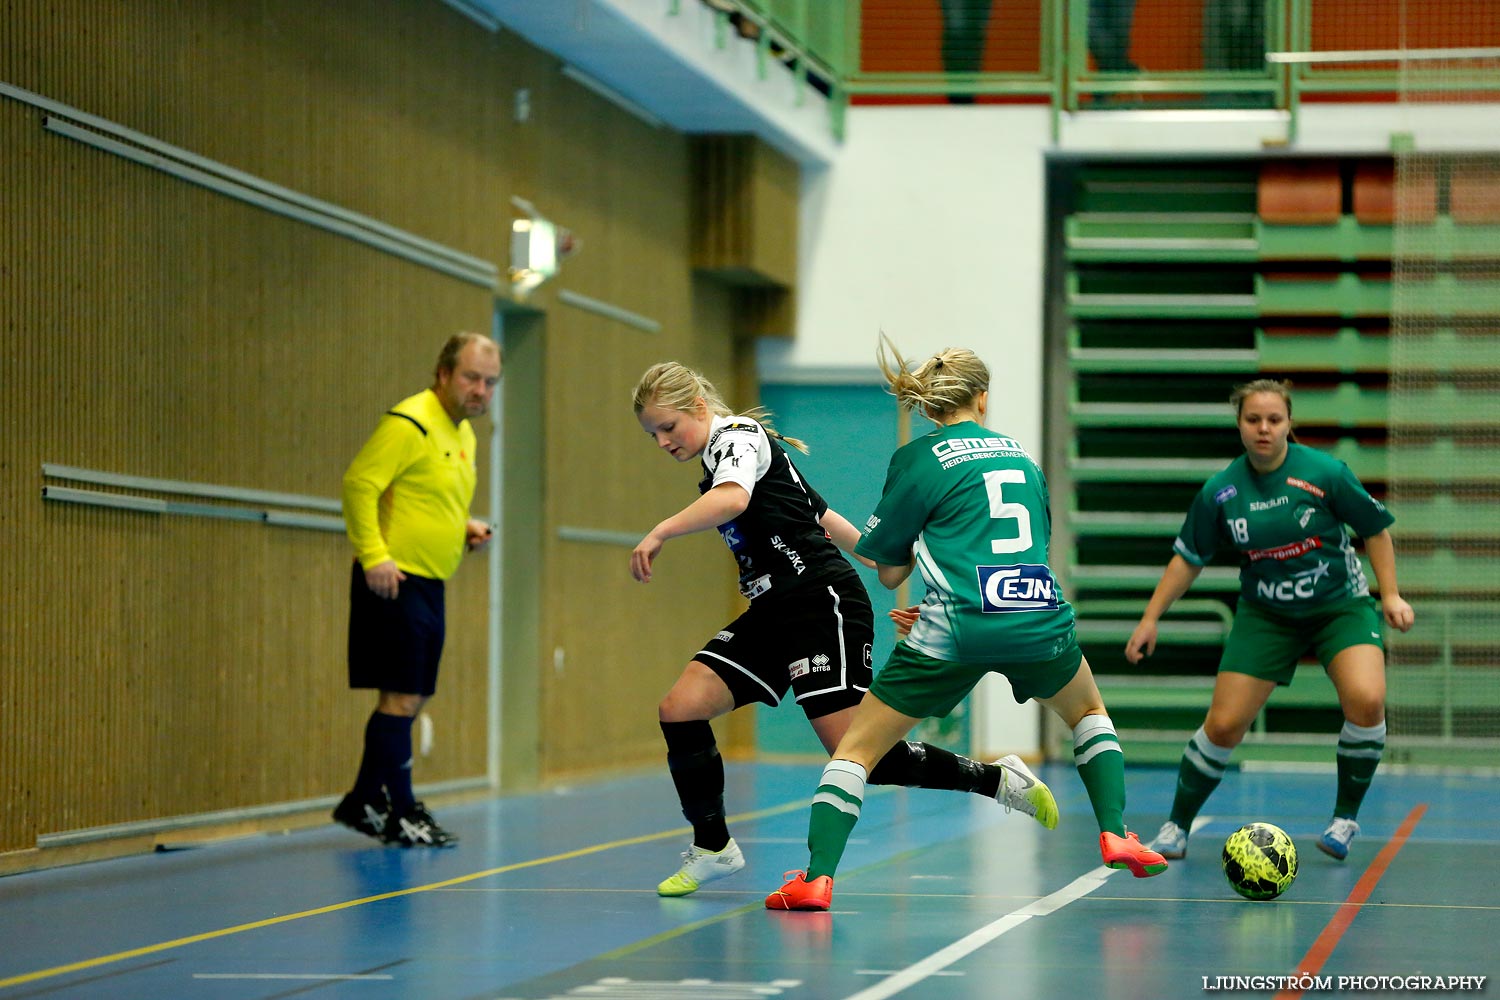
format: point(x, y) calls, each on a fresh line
point(151, 949)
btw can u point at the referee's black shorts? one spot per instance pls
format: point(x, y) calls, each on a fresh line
point(396, 645)
point(815, 642)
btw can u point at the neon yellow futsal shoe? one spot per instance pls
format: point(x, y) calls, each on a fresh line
point(1025, 792)
point(700, 867)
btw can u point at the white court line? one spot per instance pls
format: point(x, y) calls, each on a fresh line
point(282, 975)
point(939, 960)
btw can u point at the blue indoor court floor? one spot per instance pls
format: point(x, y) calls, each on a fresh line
point(940, 895)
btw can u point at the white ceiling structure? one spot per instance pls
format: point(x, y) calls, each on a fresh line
point(670, 64)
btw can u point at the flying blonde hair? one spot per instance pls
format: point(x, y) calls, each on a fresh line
point(948, 381)
point(675, 386)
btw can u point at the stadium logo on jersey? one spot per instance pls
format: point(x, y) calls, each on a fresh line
point(1303, 484)
point(799, 668)
point(820, 661)
point(1227, 493)
point(1270, 504)
point(1025, 587)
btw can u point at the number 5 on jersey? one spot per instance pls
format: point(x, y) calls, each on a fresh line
point(1002, 509)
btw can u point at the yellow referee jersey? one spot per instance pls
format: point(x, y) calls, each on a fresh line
point(407, 492)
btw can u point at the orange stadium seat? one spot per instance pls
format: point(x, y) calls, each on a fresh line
point(1299, 193)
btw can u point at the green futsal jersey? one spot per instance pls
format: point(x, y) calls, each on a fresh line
point(1288, 527)
point(971, 506)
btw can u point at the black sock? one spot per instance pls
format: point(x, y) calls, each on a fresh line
point(389, 736)
point(922, 765)
point(698, 772)
point(369, 784)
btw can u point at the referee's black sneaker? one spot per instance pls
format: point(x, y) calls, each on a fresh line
point(367, 816)
point(417, 828)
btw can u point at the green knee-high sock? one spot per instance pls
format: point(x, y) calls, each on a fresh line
point(1360, 749)
point(835, 810)
point(1198, 774)
point(1101, 765)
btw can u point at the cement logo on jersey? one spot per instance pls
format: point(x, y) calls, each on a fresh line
point(799, 668)
point(1024, 587)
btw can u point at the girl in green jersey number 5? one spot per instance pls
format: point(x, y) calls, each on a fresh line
point(968, 506)
point(1283, 507)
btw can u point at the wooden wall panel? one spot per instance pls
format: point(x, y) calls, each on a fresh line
point(745, 198)
point(622, 643)
point(167, 666)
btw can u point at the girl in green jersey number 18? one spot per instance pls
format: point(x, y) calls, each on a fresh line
point(968, 507)
point(1283, 508)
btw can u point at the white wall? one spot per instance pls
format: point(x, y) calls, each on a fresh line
point(928, 224)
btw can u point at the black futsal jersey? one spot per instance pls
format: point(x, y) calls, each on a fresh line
point(779, 544)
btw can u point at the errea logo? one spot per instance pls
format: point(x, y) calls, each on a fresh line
point(820, 661)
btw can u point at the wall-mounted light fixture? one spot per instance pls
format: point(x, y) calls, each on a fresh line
point(538, 247)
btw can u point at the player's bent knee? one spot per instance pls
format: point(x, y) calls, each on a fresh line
point(1226, 736)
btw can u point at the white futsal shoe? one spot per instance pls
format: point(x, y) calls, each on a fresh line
point(700, 867)
point(1025, 792)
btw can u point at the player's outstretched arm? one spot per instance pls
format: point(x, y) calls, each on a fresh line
point(723, 503)
point(1175, 581)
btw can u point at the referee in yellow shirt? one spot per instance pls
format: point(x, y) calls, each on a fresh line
point(406, 508)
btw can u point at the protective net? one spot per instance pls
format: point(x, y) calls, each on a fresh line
point(1443, 475)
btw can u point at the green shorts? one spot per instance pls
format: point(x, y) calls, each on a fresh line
point(922, 687)
point(1265, 644)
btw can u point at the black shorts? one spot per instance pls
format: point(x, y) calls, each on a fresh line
point(395, 645)
point(817, 643)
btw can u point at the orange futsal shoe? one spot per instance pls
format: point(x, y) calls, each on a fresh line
point(1129, 852)
point(800, 894)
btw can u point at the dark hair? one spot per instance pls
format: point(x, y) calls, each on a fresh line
point(1279, 387)
point(448, 356)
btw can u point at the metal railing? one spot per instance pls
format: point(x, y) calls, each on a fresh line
point(1096, 54)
